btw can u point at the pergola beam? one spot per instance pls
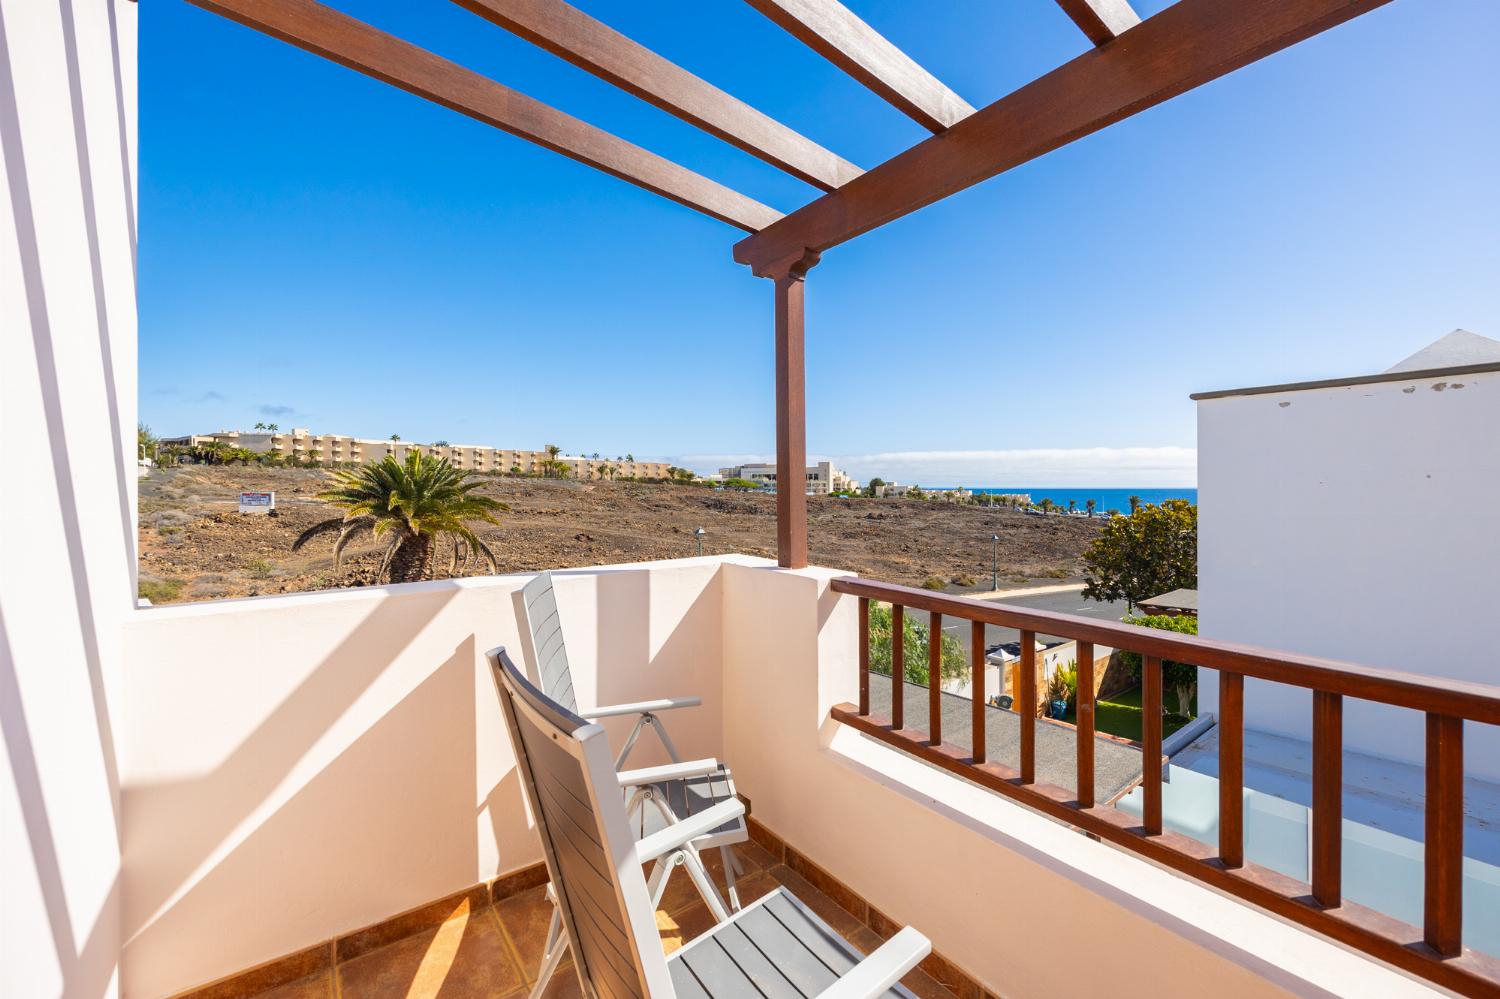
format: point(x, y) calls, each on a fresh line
point(591, 45)
point(835, 33)
point(1101, 20)
point(348, 42)
point(1185, 46)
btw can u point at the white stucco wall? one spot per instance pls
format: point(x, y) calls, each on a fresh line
point(297, 767)
point(1356, 523)
point(67, 550)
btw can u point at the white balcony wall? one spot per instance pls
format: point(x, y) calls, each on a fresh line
point(67, 552)
point(1012, 897)
point(297, 767)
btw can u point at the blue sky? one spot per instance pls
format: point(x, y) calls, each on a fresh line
point(319, 249)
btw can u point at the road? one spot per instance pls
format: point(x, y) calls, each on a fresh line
point(1061, 600)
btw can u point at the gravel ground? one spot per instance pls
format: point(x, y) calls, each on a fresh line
point(195, 546)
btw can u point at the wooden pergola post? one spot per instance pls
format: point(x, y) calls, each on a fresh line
point(791, 410)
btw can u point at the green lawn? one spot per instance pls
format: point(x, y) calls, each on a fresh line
point(1121, 715)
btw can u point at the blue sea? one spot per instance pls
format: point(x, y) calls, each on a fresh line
point(1104, 499)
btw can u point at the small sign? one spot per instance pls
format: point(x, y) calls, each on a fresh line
point(257, 502)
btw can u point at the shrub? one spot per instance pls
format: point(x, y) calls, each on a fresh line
point(1181, 677)
point(962, 579)
point(259, 568)
point(915, 646)
point(934, 583)
point(160, 591)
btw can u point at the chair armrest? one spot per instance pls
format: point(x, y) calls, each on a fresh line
point(670, 771)
point(679, 833)
point(882, 969)
point(640, 707)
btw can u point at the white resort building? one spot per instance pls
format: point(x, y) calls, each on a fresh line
point(341, 449)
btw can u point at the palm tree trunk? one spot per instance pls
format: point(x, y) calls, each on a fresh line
point(413, 559)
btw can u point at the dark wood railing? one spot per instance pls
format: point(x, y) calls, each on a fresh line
point(1435, 951)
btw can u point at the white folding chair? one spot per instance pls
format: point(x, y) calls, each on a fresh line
point(776, 947)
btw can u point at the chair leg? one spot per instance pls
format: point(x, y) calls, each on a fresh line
point(731, 876)
point(635, 733)
point(666, 740)
point(705, 885)
point(656, 885)
point(552, 955)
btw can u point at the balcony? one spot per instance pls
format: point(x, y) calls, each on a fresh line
point(350, 766)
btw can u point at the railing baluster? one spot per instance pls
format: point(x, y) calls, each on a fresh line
point(1328, 799)
point(1320, 906)
point(935, 679)
point(976, 688)
point(1442, 916)
point(1151, 744)
point(864, 655)
point(1231, 769)
point(1026, 707)
point(898, 666)
point(1085, 720)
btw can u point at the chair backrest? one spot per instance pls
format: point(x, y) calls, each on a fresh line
point(545, 626)
point(569, 776)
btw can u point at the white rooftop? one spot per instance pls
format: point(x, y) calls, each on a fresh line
point(1457, 348)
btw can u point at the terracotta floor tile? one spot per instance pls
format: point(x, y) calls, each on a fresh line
point(680, 927)
point(755, 886)
point(841, 919)
point(318, 986)
point(465, 958)
point(920, 983)
point(525, 917)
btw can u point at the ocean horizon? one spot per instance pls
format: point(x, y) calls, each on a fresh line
point(1104, 498)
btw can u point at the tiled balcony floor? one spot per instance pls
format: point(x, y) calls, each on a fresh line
point(493, 952)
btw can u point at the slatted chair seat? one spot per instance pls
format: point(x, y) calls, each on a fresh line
point(688, 796)
point(774, 948)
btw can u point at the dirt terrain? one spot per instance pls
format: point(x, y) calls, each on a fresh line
point(196, 546)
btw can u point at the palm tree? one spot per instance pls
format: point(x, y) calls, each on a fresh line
point(395, 437)
point(273, 427)
point(1089, 505)
point(417, 502)
point(552, 450)
point(260, 426)
point(1135, 504)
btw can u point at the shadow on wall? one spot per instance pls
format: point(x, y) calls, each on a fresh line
point(321, 810)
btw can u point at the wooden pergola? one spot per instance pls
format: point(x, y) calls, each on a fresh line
point(1134, 64)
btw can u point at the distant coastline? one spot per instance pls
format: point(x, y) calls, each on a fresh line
point(1104, 499)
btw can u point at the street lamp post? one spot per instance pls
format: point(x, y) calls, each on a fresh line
point(995, 562)
point(699, 535)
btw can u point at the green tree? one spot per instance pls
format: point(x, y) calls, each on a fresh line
point(552, 450)
point(1180, 677)
point(873, 486)
point(440, 444)
point(259, 425)
point(273, 428)
point(395, 437)
point(1153, 550)
point(1135, 504)
point(916, 644)
point(145, 442)
point(1089, 506)
point(1046, 504)
point(417, 503)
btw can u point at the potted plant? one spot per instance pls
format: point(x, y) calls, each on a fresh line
point(1057, 695)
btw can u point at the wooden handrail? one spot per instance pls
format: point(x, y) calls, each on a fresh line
point(1435, 951)
point(1455, 698)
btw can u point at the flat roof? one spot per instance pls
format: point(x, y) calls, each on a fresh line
point(1383, 376)
point(1179, 599)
